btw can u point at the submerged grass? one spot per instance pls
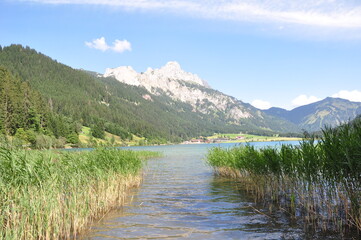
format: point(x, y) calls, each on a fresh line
point(319, 180)
point(48, 195)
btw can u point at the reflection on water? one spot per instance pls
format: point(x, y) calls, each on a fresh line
point(180, 198)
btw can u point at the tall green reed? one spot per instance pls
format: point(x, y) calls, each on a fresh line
point(319, 179)
point(53, 195)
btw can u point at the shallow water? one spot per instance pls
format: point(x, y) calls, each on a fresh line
point(181, 198)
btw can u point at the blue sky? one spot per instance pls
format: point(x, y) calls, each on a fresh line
point(265, 52)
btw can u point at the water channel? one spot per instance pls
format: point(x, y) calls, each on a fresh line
point(181, 198)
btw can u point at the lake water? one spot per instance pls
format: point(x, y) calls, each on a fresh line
point(181, 198)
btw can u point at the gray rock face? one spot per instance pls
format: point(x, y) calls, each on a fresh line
point(125, 74)
point(187, 87)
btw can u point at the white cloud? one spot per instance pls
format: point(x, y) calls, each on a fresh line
point(261, 104)
point(121, 46)
point(99, 44)
point(118, 45)
point(321, 13)
point(304, 100)
point(354, 96)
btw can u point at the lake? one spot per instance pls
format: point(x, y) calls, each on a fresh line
point(181, 198)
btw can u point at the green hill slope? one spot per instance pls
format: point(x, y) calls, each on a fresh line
point(25, 114)
point(118, 108)
point(312, 117)
point(121, 109)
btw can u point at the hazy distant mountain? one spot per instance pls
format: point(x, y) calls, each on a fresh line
point(312, 117)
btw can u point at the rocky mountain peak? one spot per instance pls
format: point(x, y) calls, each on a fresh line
point(173, 71)
point(156, 77)
point(171, 80)
point(172, 65)
point(125, 74)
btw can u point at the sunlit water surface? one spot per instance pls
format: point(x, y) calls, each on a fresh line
point(180, 198)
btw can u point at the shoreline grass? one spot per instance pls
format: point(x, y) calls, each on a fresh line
point(48, 195)
point(319, 181)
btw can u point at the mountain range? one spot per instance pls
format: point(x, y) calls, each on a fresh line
point(327, 112)
point(165, 104)
point(171, 80)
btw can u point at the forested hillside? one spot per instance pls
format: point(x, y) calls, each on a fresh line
point(25, 115)
point(107, 104)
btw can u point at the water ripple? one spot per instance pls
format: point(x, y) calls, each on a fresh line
point(180, 198)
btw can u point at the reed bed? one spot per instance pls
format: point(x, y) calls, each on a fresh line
point(318, 180)
point(48, 195)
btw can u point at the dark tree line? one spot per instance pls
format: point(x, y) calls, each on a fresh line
point(25, 114)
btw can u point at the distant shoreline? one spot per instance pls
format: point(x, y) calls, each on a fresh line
point(271, 139)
